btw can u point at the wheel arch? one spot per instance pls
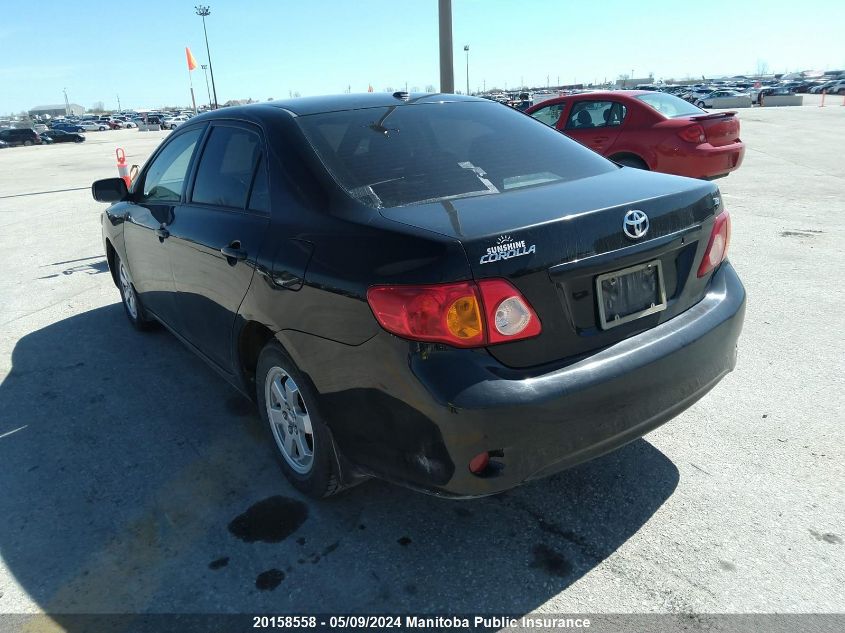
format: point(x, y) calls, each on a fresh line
point(616, 156)
point(110, 255)
point(252, 338)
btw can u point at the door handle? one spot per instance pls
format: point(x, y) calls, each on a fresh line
point(234, 252)
point(600, 139)
point(162, 233)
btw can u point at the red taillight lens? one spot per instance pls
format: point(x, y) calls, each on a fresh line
point(463, 314)
point(693, 134)
point(508, 315)
point(717, 247)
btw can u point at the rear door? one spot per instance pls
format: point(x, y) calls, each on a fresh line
point(215, 237)
point(595, 123)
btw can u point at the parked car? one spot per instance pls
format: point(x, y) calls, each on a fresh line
point(94, 126)
point(60, 136)
point(45, 140)
point(836, 88)
point(68, 127)
point(40, 127)
point(724, 99)
point(20, 136)
point(172, 123)
point(469, 304)
point(649, 130)
point(3, 145)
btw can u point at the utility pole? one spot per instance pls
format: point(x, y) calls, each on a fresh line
point(447, 70)
point(119, 109)
point(204, 11)
point(466, 50)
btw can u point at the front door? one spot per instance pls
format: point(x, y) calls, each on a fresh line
point(155, 200)
point(595, 124)
point(216, 236)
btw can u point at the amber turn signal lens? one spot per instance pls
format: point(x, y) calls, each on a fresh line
point(464, 318)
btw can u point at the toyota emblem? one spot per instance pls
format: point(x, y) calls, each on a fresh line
point(635, 224)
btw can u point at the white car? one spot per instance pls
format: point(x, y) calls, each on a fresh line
point(724, 99)
point(94, 126)
point(173, 122)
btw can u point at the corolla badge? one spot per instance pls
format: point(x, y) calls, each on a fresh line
point(506, 248)
point(635, 224)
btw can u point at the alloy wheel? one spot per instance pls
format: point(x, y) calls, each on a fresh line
point(290, 421)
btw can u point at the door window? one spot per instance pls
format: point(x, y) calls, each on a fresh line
point(592, 114)
point(227, 167)
point(165, 177)
point(549, 114)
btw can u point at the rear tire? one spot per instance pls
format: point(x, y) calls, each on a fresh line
point(27, 143)
point(288, 405)
point(132, 305)
point(631, 161)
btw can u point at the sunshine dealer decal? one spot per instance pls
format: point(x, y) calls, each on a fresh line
point(506, 248)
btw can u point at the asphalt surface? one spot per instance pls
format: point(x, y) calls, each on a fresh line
point(124, 460)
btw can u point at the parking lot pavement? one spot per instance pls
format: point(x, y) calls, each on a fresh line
point(125, 459)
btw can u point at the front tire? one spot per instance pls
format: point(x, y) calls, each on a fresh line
point(132, 306)
point(288, 406)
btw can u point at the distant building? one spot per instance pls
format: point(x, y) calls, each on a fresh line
point(56, 110)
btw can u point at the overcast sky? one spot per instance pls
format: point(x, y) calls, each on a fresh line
point(102, 49)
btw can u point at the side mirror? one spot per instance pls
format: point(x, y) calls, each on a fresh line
point(109, 190)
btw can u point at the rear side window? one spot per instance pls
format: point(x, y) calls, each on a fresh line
point(165, 177)
point(669, 105)
point(399, 155)
point(227, 167)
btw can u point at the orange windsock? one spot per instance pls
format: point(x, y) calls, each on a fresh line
point(192, 63)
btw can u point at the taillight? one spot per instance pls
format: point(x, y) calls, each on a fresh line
point(693, 134)
point(462, 314)
point(717, 247)
point(508, 315)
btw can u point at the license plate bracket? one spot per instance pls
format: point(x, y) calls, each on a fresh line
point(631, 293)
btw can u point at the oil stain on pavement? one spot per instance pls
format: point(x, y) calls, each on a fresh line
point(269, 580)
point(269, 521)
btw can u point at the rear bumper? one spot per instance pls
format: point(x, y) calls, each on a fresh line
point(702, 161)
point(429, 412)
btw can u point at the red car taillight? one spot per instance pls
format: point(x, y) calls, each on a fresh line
point(693, 134)
point(717, 247)
point(463, 314)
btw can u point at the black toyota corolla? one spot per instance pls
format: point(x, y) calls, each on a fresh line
point(436, 290)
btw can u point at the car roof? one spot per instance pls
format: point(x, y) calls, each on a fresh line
point(304, 106)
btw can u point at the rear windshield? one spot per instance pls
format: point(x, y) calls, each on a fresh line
point(400, 155)
point(669, 105)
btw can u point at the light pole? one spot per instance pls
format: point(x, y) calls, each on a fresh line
point(204, 11)
point(207, 89)
point(67, 104)
point(119, 109)
point(466, 50)
point(447, 71)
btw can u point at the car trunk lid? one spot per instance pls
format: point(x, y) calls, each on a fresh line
point(720, 128)
point(552, 242)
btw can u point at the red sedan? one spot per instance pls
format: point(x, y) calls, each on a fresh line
point(648, 130)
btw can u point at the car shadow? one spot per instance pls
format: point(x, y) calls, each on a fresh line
point(135, 480)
